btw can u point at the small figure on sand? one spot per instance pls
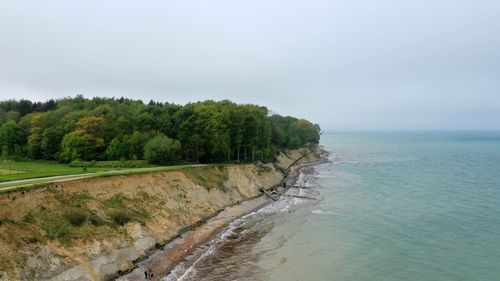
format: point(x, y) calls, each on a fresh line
point(148, 274)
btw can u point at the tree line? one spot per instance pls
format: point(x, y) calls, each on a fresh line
point(84, 129)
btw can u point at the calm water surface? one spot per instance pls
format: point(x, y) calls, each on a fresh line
point(391, 206)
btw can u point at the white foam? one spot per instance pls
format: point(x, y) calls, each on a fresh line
point(183, 272)
point(321, 212)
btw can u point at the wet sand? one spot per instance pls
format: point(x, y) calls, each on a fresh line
point(163, 260)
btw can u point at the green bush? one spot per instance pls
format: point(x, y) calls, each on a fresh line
point(110, 164)
point(162, 149)
point(116, 202)
point(121, 217)
point(29, 217)
point(58, 228)
point(80, 163)
point(33, 239)
point(77, 217)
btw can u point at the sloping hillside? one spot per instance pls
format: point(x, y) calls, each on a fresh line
point(93, 228)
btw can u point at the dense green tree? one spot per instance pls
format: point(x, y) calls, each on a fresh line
point(51, 140)
point(290, 132)
point(83, 143)
point(12, 138)
point(24, 107)
point(189, 133)
point(35, 137)
point(116, 150)
point(108, 128)
point(307, 132)
point(80, 145)
point(161, 149)
point(135, 143)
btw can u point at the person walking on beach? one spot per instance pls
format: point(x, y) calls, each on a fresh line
point(146, 274)
point(150, 274)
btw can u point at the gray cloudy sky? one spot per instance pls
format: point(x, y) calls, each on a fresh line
point(351, 64)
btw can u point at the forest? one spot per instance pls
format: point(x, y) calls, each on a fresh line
point(119, 129)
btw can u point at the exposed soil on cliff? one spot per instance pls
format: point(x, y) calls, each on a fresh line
point(93, 229)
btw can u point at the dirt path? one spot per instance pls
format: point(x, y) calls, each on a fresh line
point(12, 185)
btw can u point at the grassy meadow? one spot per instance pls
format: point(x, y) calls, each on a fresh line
point(11, 170)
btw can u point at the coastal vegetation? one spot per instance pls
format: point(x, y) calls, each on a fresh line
point(80, 130)
point(12, 170)
point(115, 219)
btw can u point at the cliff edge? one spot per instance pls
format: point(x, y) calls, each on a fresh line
point(94, 229)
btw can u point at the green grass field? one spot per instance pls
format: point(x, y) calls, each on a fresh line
point(10, 171)
point(29, 174)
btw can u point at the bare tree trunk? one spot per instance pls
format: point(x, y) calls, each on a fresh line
point(253, 154)
point(238, 154)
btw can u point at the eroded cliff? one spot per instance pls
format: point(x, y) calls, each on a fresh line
point(94, 228)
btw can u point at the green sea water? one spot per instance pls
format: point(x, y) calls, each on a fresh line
point(391, 206)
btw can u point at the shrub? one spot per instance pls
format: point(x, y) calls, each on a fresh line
point(109, 164)
point(121, 217)
point(80, 163)
point(77, 217)
point(58, 228)
point(115, 202)
point(162, 149)
point(33, 239)
point(29, 218)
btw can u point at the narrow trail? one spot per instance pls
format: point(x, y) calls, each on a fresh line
point(12, 185)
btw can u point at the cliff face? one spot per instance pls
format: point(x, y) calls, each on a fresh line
point(92, 229)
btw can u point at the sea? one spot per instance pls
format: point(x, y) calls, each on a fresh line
point(390, 206)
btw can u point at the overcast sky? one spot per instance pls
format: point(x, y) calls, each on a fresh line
point(347, 65)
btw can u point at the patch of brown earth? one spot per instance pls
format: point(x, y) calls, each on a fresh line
point(94, 228)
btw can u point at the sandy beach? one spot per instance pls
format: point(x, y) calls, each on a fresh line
point(196, 241)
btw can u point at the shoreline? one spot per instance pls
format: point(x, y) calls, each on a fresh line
point(163, 260)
